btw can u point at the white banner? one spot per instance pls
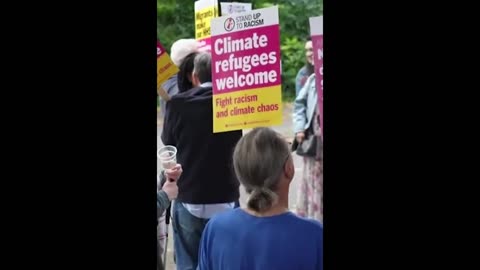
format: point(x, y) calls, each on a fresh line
point(231, 8)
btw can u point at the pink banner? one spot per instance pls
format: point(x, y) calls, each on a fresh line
point(205, 45)
point(318, 62)
point(246, 59)
point(160, 49)
point(316, 30)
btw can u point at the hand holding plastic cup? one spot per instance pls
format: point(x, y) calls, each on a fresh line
point(174, 173)
point(167, 156)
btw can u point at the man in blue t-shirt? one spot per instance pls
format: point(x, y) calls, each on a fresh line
point(264, 235)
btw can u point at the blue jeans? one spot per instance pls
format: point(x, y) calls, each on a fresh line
point(187, 232)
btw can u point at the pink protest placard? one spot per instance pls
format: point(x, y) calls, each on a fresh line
point(316, 30)
point(160, 49)
point(246, 70)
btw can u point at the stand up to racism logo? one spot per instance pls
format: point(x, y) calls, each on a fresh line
point(229, 24)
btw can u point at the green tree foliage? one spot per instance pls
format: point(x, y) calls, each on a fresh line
point(175, 20)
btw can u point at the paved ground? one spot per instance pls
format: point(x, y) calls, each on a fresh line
point(286, 130)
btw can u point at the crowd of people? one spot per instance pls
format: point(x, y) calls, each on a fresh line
point(210, 230)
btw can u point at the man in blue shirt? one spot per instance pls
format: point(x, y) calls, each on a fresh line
point(264, 235)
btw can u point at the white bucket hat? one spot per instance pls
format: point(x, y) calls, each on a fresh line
point(181, 48)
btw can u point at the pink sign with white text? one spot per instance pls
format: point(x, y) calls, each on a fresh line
point(316, 30)
point(246, 70)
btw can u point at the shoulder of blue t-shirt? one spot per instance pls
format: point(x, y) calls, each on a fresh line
point(225, 218)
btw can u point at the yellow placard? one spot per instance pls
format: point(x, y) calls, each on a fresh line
point(247, 109)
point(165, 69)
point(202, 21)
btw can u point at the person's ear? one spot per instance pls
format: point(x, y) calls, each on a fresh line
point(289, 168)
point(190, 77)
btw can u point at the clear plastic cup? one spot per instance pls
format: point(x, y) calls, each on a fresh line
point(167, 156)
